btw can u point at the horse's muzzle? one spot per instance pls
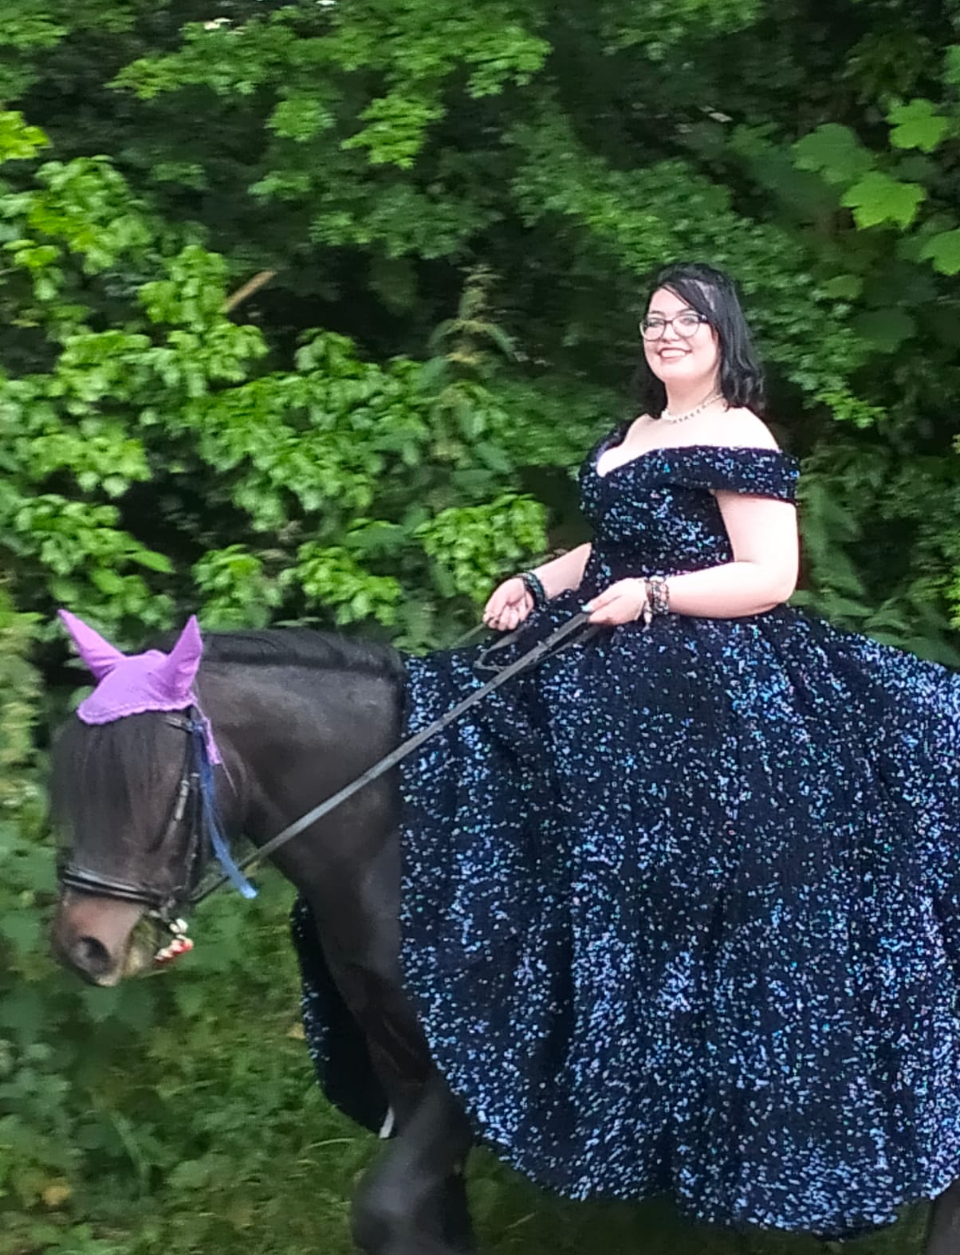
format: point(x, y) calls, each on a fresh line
point(92, 936)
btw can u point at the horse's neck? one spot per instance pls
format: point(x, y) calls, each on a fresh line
point(291, 736)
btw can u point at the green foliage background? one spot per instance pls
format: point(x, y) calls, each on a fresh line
point(448, 214)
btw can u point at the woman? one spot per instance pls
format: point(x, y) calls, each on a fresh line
point(681, 906)
point(715, 399)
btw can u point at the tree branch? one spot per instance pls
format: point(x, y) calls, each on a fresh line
point(247, 289)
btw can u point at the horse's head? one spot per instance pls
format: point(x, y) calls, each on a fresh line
point(125, 794)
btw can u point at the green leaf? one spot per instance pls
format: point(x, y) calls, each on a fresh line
point(153, 561)
point(877, 198)
point(886, 329)
point(917, 124)
point(19, 142)
point(23, 930)
point(101, 1004)
point(300, 118)
point(951, 65)
point(396, 128)
point(493, 457)
point(22, 1012)
point(843, 287)
point(107, 581)
point(943, 250)
point(834, 152)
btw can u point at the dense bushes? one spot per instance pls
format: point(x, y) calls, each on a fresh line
point(448, 214)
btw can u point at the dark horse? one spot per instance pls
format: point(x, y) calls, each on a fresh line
point(296, 715)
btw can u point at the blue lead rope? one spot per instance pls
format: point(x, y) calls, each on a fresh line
point(209, 815)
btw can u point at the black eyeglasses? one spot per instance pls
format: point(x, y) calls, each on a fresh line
point(684, 324)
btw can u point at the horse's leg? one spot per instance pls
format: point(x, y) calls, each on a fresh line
point(416, 1193)
point(444, 1208)
point(410, 1202)
point(434, 1195)
point(943, 1235)
point(413, 1202)
point(455, 1212)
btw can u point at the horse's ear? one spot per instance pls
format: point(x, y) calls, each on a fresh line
point(99, 655)
point(179, 670)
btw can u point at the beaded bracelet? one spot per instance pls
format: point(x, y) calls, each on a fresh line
point(656, 598)
point(534, 586)
point(658, 594)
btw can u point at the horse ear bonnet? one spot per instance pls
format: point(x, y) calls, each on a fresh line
point(99, 655)
point(136, 683)
point(180, 668)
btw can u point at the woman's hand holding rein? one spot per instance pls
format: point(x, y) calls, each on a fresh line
point(509, 604)
point(513, 600)
point(623, 602)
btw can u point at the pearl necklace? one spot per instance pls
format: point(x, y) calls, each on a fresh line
point(667, 417)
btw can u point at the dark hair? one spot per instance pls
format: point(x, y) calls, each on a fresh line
point(711, 293)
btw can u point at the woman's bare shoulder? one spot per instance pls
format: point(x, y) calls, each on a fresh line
point(742, 428)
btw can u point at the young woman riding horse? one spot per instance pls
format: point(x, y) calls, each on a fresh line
point(678, 912)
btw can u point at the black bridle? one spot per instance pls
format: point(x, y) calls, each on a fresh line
point(187, 809)
point(192, 803)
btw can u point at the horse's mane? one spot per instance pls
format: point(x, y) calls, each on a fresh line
point(301, 647)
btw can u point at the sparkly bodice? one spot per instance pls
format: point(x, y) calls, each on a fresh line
point(657, 514)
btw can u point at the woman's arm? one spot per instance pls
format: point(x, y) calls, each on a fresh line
point(564, 572)
point(763, 573)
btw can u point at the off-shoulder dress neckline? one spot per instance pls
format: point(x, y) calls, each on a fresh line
point(674, 450)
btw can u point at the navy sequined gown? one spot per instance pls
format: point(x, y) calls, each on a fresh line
point(682, 906)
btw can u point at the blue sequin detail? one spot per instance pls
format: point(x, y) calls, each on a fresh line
point(681, 908)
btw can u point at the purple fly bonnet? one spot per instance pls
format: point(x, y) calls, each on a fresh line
point(137, 683)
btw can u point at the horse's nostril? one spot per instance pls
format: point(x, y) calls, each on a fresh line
point(91, 956)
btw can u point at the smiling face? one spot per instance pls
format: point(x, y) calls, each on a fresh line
point(681, 362)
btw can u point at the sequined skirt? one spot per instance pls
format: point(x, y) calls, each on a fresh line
point(681, 916)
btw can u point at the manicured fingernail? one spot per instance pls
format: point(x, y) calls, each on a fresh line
point(587, 606)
